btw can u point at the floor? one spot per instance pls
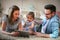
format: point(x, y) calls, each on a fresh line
point(6, 37)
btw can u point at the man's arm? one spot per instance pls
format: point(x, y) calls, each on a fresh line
point(38, 34)
point(55, 31)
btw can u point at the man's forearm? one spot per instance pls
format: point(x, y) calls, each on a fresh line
point(45, 35)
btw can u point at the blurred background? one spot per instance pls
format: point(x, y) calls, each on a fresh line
point(37, 6)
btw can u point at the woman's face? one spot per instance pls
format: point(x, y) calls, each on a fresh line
point(16, 14)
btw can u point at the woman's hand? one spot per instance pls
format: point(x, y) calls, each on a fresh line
point(12, 33)
point(15, 33)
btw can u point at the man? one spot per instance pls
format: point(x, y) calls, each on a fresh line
point(50, 25)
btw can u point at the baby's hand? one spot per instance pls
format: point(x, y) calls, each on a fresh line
point(30, 27)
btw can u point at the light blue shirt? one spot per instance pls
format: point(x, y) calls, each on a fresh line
point(44, 27)
point(53, 27)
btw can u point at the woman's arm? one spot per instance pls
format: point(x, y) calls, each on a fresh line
point(7, 33)
point(3, 26)
point(20, 27)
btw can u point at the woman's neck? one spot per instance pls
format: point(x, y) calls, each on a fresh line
point(13, 19)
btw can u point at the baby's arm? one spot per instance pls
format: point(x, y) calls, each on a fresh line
point(32, 25)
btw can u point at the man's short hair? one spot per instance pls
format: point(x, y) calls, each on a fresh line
point(50, 7)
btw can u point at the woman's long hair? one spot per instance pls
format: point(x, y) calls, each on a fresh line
point(10, 13)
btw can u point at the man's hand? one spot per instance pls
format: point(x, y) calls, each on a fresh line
point(38, 34)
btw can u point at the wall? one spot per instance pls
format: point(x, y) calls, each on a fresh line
point(29, 5)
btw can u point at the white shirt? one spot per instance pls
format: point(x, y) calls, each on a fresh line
point(44, 27)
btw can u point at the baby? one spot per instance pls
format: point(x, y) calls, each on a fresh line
point(29, 24)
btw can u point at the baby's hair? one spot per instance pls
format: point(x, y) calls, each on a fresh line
point(32, 14)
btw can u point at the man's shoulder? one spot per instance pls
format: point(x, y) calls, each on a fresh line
point(44, 20)
point(54, 19)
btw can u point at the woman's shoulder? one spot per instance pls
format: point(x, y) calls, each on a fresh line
point(5, 17)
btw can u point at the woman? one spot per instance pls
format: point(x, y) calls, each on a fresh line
point(12, 22)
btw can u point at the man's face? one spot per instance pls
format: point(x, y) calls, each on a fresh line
point(48, 13)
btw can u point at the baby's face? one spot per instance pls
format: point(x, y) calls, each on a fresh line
point(29, 18)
